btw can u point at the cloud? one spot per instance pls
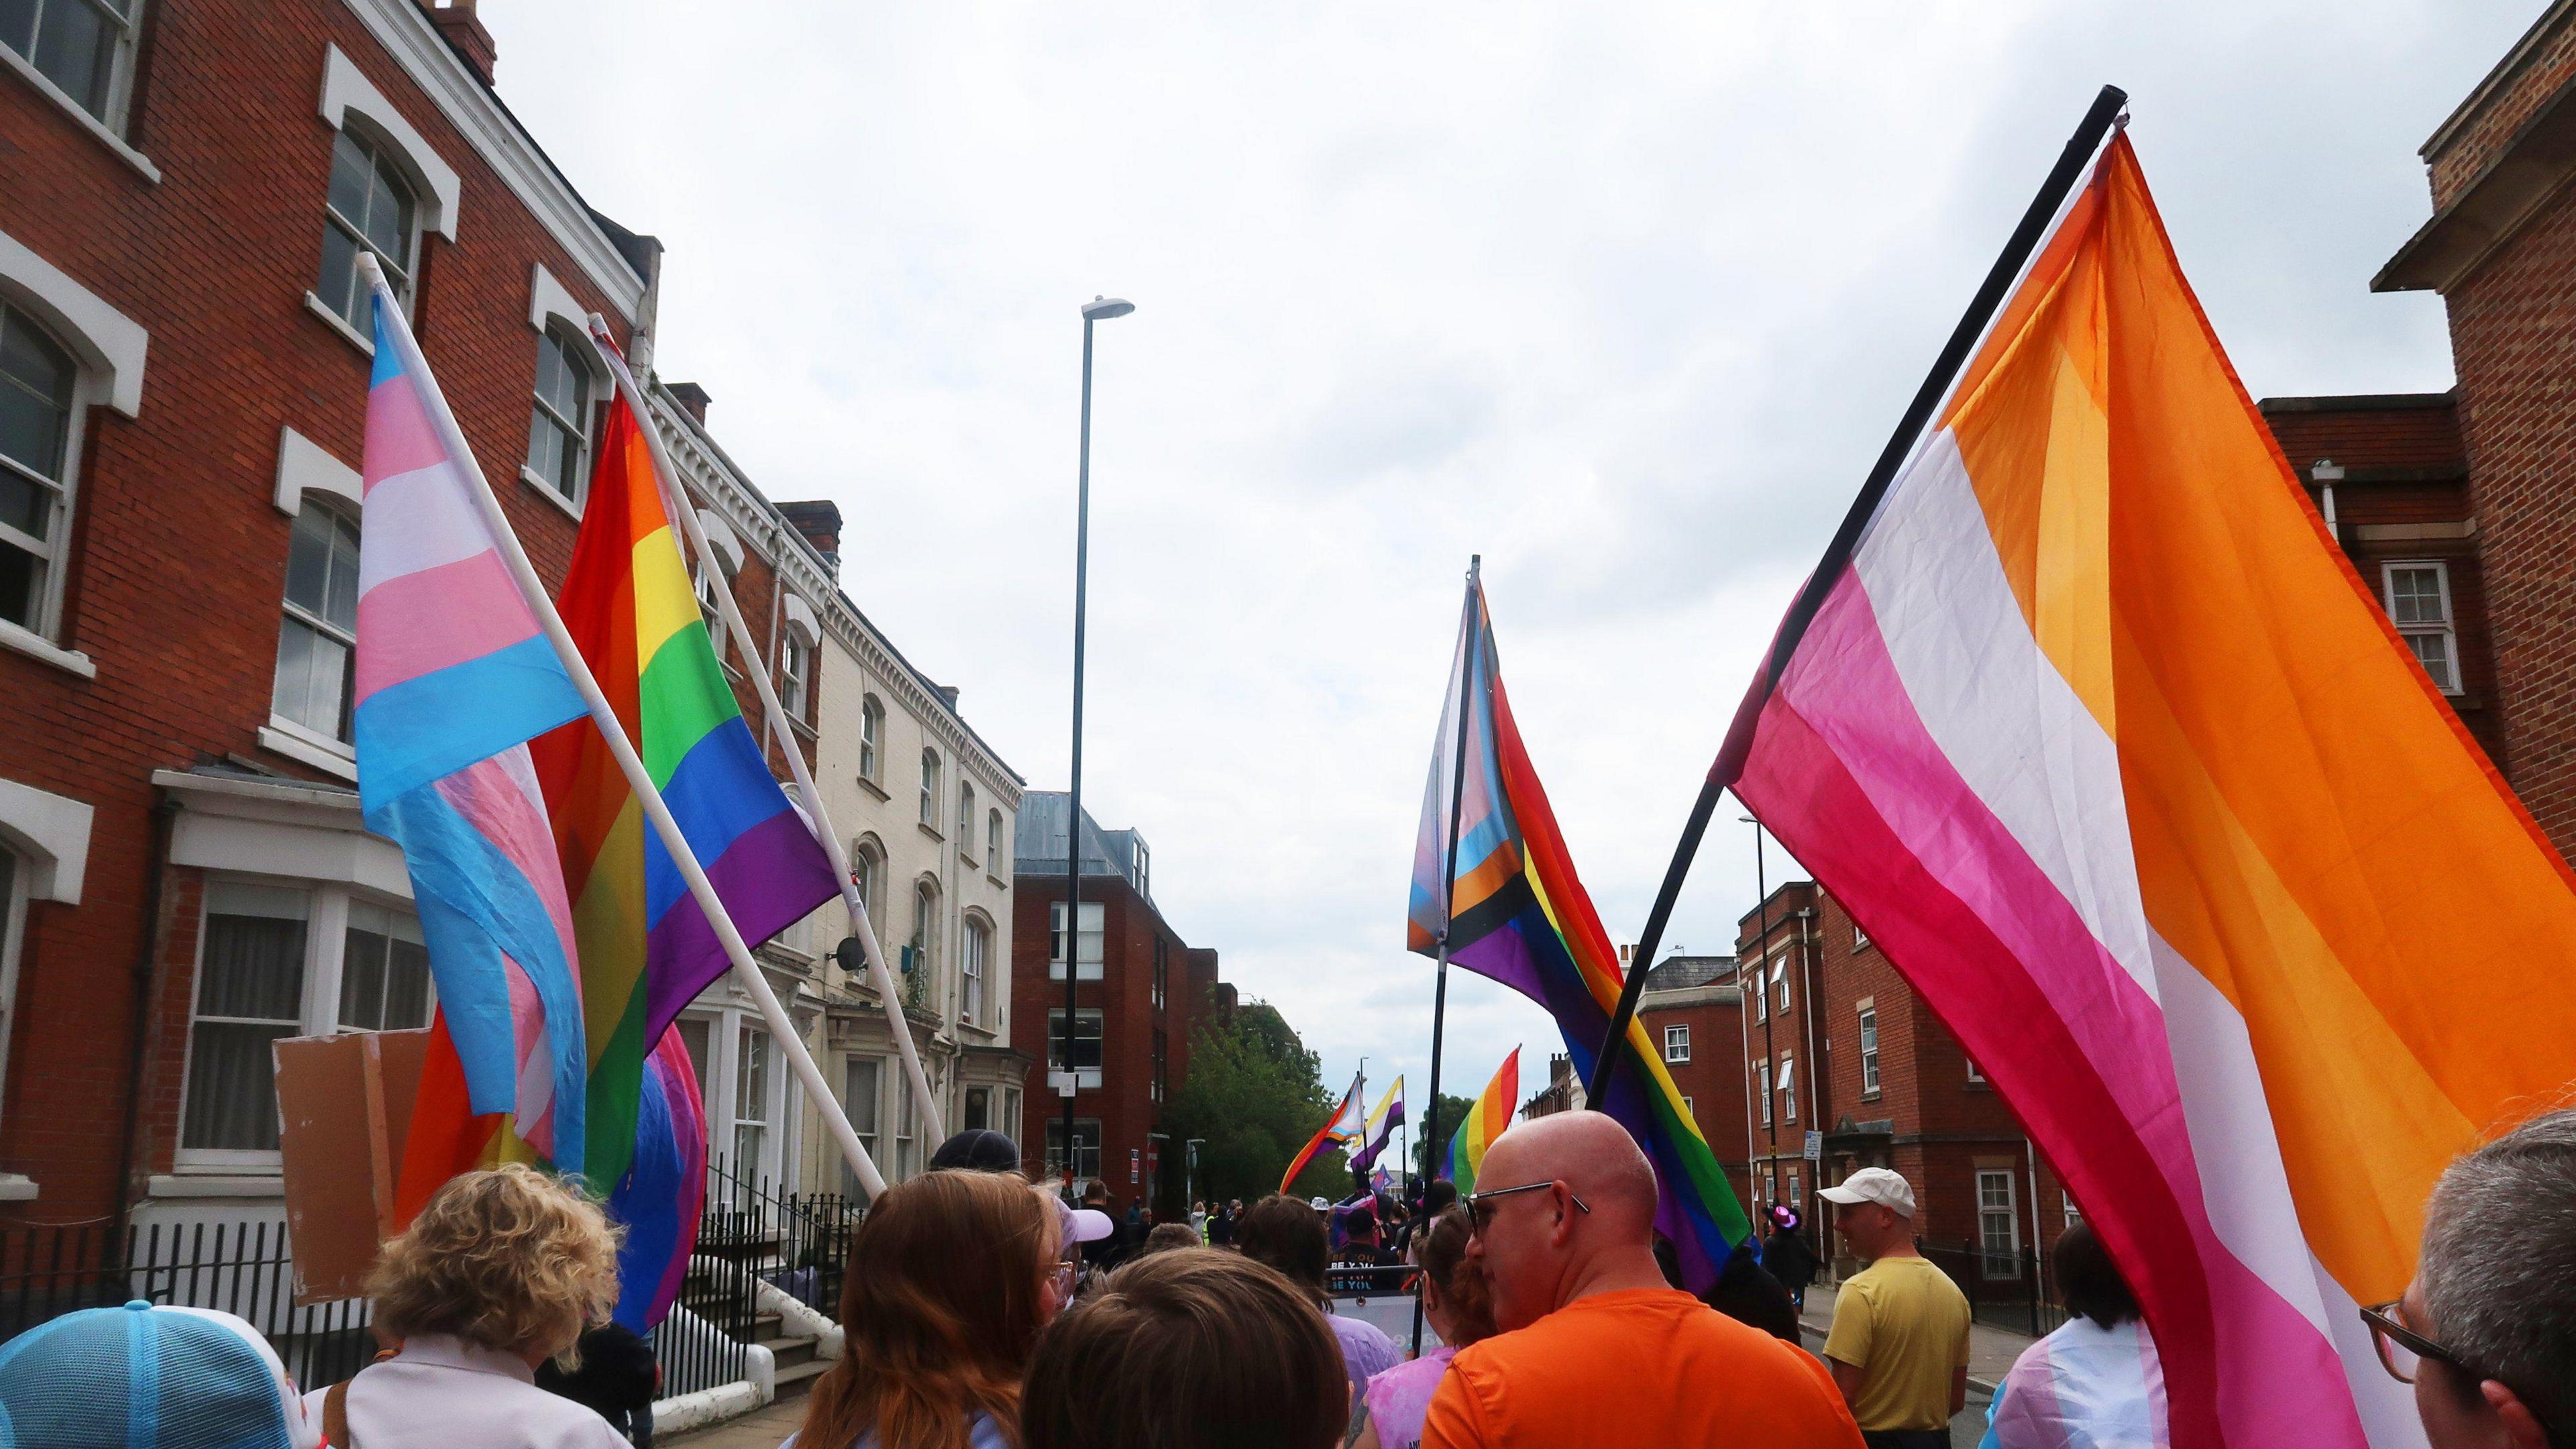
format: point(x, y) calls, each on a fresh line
point(1624, 298)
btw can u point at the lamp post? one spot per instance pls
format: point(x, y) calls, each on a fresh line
point(1098, 309)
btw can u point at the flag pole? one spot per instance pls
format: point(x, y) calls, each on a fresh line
point(2109, 106)
point(1469, 653)
point(675, 501)
point(532, 589)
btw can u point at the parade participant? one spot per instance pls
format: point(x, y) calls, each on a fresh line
point(1596, 1348)
point(1199, 1220)
point(1188, 1351)
point(1746, 1292)
point(1788, 1256)
point(1458, 1304)
point(1899, 1344)
point(2095, 1383)
point(1289, 1235)
point(979, 1149)
point(499, 1272)
point(146, 1377)
point(1221, 1224)
point(952, 1276)
point(1167, 1236)
point(2487, 1331)
point(614, 1375)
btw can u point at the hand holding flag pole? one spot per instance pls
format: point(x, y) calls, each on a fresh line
point(532, 589)
point(675, 502)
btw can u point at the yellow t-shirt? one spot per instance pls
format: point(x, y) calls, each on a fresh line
point(1904, 1325)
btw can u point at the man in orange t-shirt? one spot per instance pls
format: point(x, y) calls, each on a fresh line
point(1596, 1348)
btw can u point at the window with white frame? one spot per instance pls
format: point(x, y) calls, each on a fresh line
point(1770, 1187)
point(1677, 1043)
point(1869, 1051)
point(1086, 1045)
point(795, 673)
point(1788, 1089)
point(1086, 1147)
point(751, 1104)
point(1751, 979)
point(2066, 1204)
point(278, 961)
point(1795, 1198)
point(2418, 595)
point(860, 1077)
point(925, 933)
point(966, 820)
point(930, 788)
point(559, 423)
point(1762, 1089)
point(903, 1127)
point(979, 1109)
point(871, 740)
point(85, 47)
point(867, 872)
point(1860, 938)
point(318, 639)
point(1143, 876)
point(371, 207)
point(39, 427)
point(1998, 1224)
point(1976, 1074)
point(1780, 988)
point(1094, 930)
point(13, 929)
point(1688, 1110)
point(994, 860)
point(972, 960)
point(1162, 970)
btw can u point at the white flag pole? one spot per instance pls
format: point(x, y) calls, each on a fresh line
point(675, 501)
point(746, 974)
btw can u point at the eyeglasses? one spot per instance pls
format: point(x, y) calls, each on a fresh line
point(1063, 1277)
point(2401, 1349)
point(1480, 1205)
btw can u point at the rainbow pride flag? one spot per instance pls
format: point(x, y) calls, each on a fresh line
point(1486, 1121)
point(1518, 914)
point(2106, 745)
point(453, 677)
point(1343, 1127)
point(664, 1188)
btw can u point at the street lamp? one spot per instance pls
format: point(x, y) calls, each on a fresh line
point(1098, 309)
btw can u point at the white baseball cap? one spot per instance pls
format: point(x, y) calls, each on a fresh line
point(1888, 1189)
point(1084, 1225)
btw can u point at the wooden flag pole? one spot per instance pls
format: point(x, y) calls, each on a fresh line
point(675, 501)
point(746, 973)
point(1469, 652)
point(2105, 113)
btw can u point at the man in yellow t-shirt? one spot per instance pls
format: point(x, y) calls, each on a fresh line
point(1899, 1344)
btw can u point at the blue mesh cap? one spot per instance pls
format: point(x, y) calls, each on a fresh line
point(141, 1377)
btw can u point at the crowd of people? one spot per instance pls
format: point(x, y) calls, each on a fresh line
point(972, 1321)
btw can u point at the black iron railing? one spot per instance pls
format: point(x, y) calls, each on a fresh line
point(2006, 1287)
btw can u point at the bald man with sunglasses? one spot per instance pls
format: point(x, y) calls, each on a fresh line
point(1596, 1347)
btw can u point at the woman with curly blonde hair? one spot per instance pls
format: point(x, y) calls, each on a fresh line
point(951, 1277)
point(500, 1272)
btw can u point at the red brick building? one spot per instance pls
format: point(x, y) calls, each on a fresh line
point(1692, 1011)
point(183, 372)
point(1139, 992)
point(2501, 250)
point(1837, 1045)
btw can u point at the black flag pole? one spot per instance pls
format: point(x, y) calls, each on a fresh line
point(1468, 653)
point(2105, 113)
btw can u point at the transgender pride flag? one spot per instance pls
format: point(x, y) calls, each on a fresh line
point(2112, 753)
point(454, 677)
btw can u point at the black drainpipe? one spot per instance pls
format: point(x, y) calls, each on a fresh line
point(163, 809)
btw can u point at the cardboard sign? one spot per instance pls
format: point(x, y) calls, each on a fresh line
point(344, 1107)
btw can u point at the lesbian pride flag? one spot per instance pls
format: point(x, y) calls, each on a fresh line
point(454, 677)
point(2108, 748)
point(1487, 1120)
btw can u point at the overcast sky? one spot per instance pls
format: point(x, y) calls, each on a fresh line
point(1624, 297)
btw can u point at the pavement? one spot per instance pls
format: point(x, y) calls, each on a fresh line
point(764, 1430)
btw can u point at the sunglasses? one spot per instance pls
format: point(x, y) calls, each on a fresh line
point(1480, 1205)
point(2401, 1349)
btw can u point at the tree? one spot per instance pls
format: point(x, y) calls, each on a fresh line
point(1431, 1159)
point(1254, 1094)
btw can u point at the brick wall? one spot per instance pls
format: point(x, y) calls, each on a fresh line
point(2510, 96)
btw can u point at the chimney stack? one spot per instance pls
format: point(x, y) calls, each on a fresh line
point(692, 399)
point(948, 692)
point(819, 521)
point(465, 35)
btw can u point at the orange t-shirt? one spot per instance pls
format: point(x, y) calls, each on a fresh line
point(1640, 1366)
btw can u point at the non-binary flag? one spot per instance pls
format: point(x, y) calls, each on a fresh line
point(2106, 745)
point(1488, 1119)
point(453, 677)
point(1518, 914)
point(1344, 1126)
point(1382, 1122)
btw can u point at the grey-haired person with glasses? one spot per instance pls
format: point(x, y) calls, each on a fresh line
point(2487, 1331)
